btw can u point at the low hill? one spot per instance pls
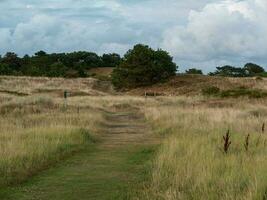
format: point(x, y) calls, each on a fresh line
point(25, 86)
point(194, 84)
point(178, 85)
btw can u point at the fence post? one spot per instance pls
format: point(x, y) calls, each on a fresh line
point(65, 99)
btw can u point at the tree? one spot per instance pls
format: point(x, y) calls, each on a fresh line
point(5, 69)
point(230, 71)
point(194, 71)
point(57, 69)
point(40, 53)
point(253, 69)
point(92, 60)
point(143, 66)
point(12, 60)
point(111, 60)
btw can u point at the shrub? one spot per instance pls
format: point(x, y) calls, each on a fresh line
point(211, 91)
point(194, 71)
point(264, 74)
point(253, 69)
point(237, 92)
point(143, 66)
point(244, 92)
point(258, 78)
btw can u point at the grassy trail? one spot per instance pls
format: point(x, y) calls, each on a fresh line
point(105, 171)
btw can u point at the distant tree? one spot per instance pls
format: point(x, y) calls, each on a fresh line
point(229, 71)
point(111, 60)
point(40, 53)
point(194, 71)
point(57, 69)
point(143, 66)
point(5, 69)
point(12, 60)
point(253, 69)
point(75, 64)
point(92, 60)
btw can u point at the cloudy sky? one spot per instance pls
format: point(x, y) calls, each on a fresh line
point(197, 33)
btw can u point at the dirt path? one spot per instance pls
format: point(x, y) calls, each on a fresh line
point(106, 171)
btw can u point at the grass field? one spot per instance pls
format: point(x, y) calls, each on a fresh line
point(191, 163)
point(107, 147)
point(36, 132)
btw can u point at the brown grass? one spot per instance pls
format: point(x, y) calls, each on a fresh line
point(35, 132)
point(194, 84)
point(51, 86)
point(191, 163)
point(102, 71)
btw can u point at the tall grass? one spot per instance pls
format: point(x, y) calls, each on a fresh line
point(191, 164)
point(37, 132)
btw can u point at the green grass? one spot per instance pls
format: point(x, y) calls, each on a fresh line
point(37, 151)
point(95, 173)
point(110, 167)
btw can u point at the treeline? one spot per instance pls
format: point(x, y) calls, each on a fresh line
point(249, 70)
point(75, 64)
point(140, 65)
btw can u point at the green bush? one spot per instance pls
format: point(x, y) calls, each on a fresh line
point(194, 71)
point(143, 66)
point(264, 74)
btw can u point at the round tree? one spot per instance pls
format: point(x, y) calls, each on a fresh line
point(253, 69)
point(143, 66)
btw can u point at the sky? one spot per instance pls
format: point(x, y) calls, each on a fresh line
point(197, 33)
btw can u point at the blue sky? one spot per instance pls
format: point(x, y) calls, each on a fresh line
point(202, 34)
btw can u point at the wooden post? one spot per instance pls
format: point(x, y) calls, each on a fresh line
point(65, 99)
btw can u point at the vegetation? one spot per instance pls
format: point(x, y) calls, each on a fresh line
point(191, 164)
point(140, 66)
point(230, 71)
point(194, 71)
point(112, 144)
point(253, 69)
point(213, 91)
point(74, 147)
point(74, 64)
point(236, 92)
point(250, 69)
point(41, 138)
point(143, 66)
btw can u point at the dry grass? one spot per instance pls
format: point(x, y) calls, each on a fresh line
point(191, 164)
point(23, 86)
point(36, 131)
point(102, 71)
point(194, 84)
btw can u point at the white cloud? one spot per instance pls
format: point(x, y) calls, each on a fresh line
point(233, 31)
point(197, 33)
